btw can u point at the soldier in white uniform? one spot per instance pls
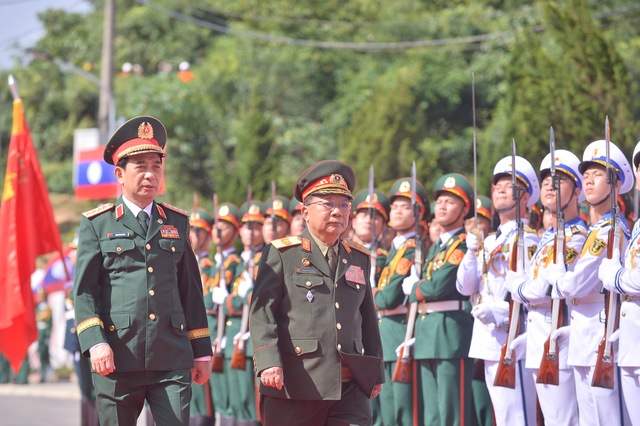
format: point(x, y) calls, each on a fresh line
point(582, 286)
point(558, 402)
point(482, 274)
point(626, 281)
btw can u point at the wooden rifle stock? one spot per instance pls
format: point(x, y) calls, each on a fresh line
point(239, 357)
point(217, 365)
point(403, 371)
point(506, 373)
point(603, 373)
point(549, 370)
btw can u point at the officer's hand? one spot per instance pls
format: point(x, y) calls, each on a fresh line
point(484, 313)
point(245, 285)
point(272, 377)
point(102, 359)
point(201, 371)
point(607, 273)
point(473, 239)
point(410, 281)
point(219, 294)
point(376, 390)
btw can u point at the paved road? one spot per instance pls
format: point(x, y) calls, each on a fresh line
point(51, 404)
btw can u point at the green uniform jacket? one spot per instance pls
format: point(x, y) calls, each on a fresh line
point(388, 295)
point(308, 322)
point(442, 335)
point(141, 295)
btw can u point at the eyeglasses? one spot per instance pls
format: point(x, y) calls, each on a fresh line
point(330, 204)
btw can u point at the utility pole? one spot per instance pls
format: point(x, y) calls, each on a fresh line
point(106, 110)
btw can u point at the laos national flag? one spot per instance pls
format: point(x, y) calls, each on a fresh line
point(95, 179)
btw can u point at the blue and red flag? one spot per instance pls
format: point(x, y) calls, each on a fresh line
point(95, 178)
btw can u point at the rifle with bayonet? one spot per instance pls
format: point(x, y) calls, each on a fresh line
point(603, 373)
point(506, 373)
point(403, 370)
point(549, 371)
point(374, 238)
point(217, 365)
point(239, 356)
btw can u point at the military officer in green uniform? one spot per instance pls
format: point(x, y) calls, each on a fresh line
point(314, 330)
point(444, 324)
point(202, 408)
point(226, 259)
point(396, 399)
point(138, 295)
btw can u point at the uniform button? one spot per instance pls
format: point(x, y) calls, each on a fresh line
point(529, 319)
point(152, 293)
point(181, 326)
point(362, 351)
point(380, 321)
point(228, 323)
point(308, 283)
point(150, 269)
point(357, 286)
point(422, 318)
point(118, 249)
point(148, 246)
point(572, 318)
point(112, 328)
point(339, 326)
point(173, 249)
point(337, 305)
point(339, 346)
point(298, 350)
point(152, 317)
point(160, 221)
point(624, 314)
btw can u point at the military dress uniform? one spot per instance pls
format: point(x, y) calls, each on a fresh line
point(443, 324)
point(481, 275)
point(140, 292)
point(319, 326)
point(583, 288)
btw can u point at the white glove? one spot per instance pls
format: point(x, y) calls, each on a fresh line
point(561, 335)
point(240, 335)
point(408, 344)
point(614, 336)
point(410, 281)
point(607, 273)
point(519, 343)
point(552, 273)
point(223, 343)
point(513, 279)
point(219, 294)
point(245, 285)
point(484, 313)
point(473, 240)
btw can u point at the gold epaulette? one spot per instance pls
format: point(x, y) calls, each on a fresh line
point(98, 210)
point(411, 243)
point(358, 247)
point(529, 230)
point(286, 242)
point(574, 230)
point(174, 208)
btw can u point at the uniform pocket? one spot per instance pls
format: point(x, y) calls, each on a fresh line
point(117, 247)
point(301, 347)
point(173, 246)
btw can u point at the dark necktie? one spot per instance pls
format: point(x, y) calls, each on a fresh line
point(142, 219)
point(332, 260)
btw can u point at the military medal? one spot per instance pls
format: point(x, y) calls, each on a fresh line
point(305, 262)
point(309, 296)
point(355, 274)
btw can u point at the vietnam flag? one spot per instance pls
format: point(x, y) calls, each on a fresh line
point(27, 230)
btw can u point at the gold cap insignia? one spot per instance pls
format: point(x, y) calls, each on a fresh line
point(336, 178)
point(277, 204)
point(254, 209)
point(374, 200)
point(145, 131)
point(558, 160)
point(478, 203)
point(595, 153)
point(405, 186)
point(223, 211)
point(450, 182)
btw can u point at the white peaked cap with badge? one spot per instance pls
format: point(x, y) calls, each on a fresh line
point(596, 152)
point(566, 162)
point(524, 173)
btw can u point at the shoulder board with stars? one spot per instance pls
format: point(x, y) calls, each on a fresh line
point(286, 242)
point(174, 208)
point(98, 210)
point(574, 230)
point(356, 246)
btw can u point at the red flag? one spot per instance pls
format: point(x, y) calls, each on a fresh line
point(27, 230)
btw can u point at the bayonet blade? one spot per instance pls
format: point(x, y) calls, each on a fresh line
point(552, 150)
point(514, 191)
point(413, 189)
point(475, 152)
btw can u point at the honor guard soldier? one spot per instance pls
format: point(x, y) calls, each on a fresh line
point(241, 378)
point(483, 207)
point(227, 263)
point(297, 221)
point(277, 219)
point(314, 330)
point(202, 410)
point(396, 398)
point(625, 280)
point(557, 400)
point(481, 275)
point(138, 295)
point(443, 323)
point(596, 405)
point(367, 234)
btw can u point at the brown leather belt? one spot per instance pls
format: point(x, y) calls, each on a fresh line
point(441, 306)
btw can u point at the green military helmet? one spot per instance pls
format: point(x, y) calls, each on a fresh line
point(295, 207)
point(252, 212)
point(380, 203)
point(402, 188)
point(279, 206)
point(483, 206)
point(200, 219)
point(229, 213)
point(457, 185)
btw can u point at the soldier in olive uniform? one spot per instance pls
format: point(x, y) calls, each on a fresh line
point(396, 399)
point(297, 221)
point(367, 234)
point(138, 295)
point(443, 326)
point(224, 238)
point(202, 410)
point(316, 342)
point(277, 219)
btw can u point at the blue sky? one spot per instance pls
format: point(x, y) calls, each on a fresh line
point(19, 23)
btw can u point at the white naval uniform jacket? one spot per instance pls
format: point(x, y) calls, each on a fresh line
point(533, 291)
point(487, 339)
point(583, 287)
